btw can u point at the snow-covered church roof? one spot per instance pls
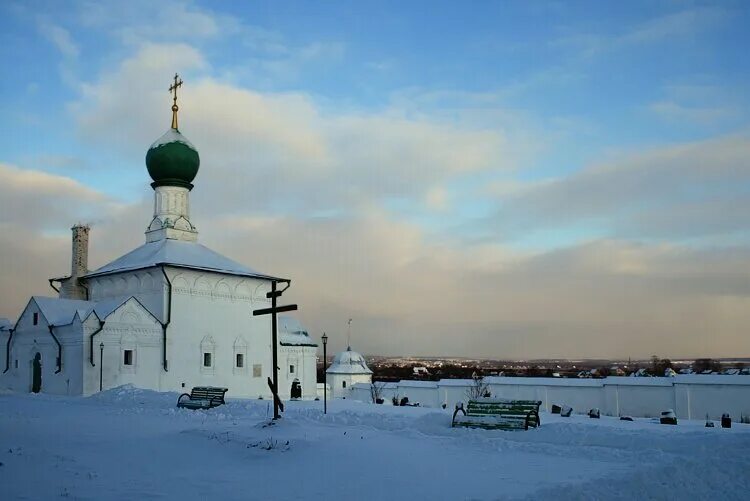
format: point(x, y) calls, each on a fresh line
point(176, 253)
point(349, 362)
point(62, 311)
point(59, 311)
point(292, 333)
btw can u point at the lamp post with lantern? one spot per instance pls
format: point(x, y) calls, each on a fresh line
point(101, 364)
point(325, 368)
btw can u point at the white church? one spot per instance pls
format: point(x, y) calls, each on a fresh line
point(167, 316)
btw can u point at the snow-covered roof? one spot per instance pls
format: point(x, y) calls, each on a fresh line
point(292, 333)
point(349, 362)
point(176, 253)
point(106, 306)
point(59, 311)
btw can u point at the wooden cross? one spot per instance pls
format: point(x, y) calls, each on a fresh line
point(273, 310)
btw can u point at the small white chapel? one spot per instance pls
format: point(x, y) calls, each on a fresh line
point(167, 316)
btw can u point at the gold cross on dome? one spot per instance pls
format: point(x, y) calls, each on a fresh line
point(173, 89)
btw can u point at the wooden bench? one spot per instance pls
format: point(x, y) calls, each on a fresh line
point(495, 413)
point(202, 397)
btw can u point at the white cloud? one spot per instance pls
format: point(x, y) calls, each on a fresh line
point(678, 113)
point(40, 200)
point(141, 21)
point(673, 27)
point(686, 190)
point(61, 38)
point(303, 155)
point(410, 294)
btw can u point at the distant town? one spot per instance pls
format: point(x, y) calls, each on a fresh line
point(436, 368)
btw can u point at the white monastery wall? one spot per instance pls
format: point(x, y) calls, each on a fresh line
point(691, 397)
point(453, 391)
point(360, 392)
point(697, 396)
point(643, 397)
point(423, 392)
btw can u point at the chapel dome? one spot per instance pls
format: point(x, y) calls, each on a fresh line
point(349, 362)
point(172, 160)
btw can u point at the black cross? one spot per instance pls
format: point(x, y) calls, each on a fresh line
point(273, 310)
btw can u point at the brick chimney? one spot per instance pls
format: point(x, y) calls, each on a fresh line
point(71, 288)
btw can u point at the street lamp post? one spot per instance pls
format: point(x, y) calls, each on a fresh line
point(101, 364)
point(325, 367)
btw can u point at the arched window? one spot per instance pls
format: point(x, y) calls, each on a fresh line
point(343, 384)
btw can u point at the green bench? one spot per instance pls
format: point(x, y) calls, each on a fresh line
point(498, 414)
point(202, 397)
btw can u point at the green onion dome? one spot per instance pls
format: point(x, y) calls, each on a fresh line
point(172, 161)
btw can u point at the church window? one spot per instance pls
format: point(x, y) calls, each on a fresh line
point(240, 351)
point(257, 370)
point(343, 384)
point(127, 358)
point(36, 318)
point(291, 369)
point(16, 363)
point(206, 354)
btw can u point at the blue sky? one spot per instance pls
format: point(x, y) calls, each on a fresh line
point(500, 132)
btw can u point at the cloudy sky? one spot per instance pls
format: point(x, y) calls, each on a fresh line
point(517, 179)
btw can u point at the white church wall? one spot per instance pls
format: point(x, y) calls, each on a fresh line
point(304, 361)
point(5, 376)
point(28, 340)
point(148, 285)
point(209, 312)
point(310, 381)
point(70, 380)
point(129, 328)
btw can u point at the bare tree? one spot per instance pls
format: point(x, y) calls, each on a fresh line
point(478, 388)
point(376, 392)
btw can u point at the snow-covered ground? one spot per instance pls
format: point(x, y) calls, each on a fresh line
point(133, 444)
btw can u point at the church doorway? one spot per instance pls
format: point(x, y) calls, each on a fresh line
point(36, 373)
point(296, 389)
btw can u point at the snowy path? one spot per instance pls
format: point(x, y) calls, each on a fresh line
point(132, 444)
